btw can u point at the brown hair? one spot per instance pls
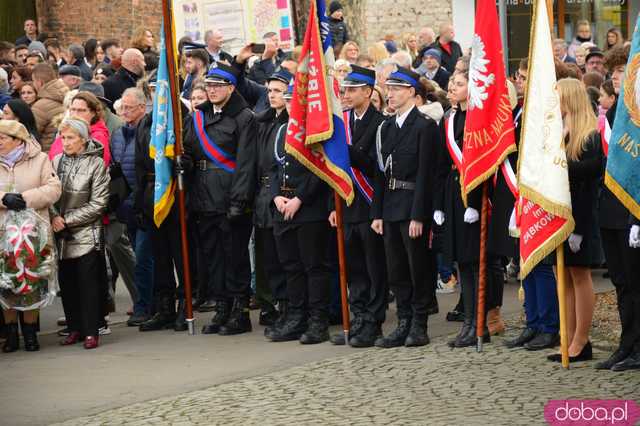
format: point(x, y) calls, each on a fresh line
point(23, 72)
point(616, 56)
point(579, 117)
point(608, 88)
point(93, 104)
point(593, 79)
point(43, 72)
point(619, 38)
point(138, 41)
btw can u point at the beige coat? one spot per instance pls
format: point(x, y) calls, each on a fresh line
point(49, 105)
point(32, 176)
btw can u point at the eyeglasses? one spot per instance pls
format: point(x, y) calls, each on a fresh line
point(78, 110)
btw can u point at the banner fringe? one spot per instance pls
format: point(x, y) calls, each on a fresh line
point(625, 198)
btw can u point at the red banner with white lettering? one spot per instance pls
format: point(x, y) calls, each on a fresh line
point(489, 132)
point(537, 227)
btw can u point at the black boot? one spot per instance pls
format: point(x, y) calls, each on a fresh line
point(223, 310)
point(30, 337)
point(164, 318)
point(291, 328)
point(355, 328)
point(268, 315)
point(181, 317)
point(317, 332)
point(239, 320)
point(417, 333)
point(283, 306)
point(471, 339)
point(397, 337)
point(366, 338)
point(464, 330)
point(12, 343)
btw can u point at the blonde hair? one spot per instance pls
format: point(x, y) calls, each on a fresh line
point(341, 63)
point(575, 103)
point(378, 52)
point(343, 51)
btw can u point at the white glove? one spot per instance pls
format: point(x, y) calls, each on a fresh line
point(634, 236)
point(575, 241)
point(513, 227)
point(438, 217)
point(471, 215)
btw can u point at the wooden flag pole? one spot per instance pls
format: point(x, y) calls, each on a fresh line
point(550, 14)
point(562, 302)
point(343, 268)
point(482, 275)
point(177, 125)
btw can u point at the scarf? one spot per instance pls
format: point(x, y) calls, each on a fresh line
point(14, 156)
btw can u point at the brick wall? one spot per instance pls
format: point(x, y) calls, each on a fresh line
point(78, 20)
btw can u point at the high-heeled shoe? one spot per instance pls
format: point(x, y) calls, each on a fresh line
point(71, 339)
point(91, 342)
point(586, 354)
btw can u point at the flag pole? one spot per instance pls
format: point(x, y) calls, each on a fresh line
point(177, 125)
point(482, 274)
point(564, 337)
point(343, 268)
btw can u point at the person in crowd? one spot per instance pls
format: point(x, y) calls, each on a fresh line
point(337, 26)
point(378, 53)
point(90, 47)
point(449, 49)
point(341, 68)
point(22, 51)
point(584, 158)
point(592, 79)
point(39, 47)
point(143, 40)
point(426, 100)
point(594, 62)
point(402, 208)
point(350, 52)
point(196, 66)
point(77, 58)
point(18, 110)
point(560, 51)
point(270, 60)
point(7, 51)
point(431, 68)
point(77, 222)
point(198, 95)
point(111, 120)
point(127, 76)
point(51, 92)
point(111, 49)
point(581, 58)
point(55, 53)
point(214, 39)
point(19, 76)
point(583, 35)
point(30, 32)
point(409, 44)
point(365, 61)
point(378, 99)
point(33, 59)
point(102, 73)
point(614, 39)
point(35, 186)
point(5, 88)
point(401, 59)
point(28, 93)
point(70, 76)
point(367, 277)
point(426, 37)
point(608, 96)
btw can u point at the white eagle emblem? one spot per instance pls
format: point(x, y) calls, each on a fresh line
point(479, 80)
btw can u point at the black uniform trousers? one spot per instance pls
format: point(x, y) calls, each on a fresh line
point(620, 261)
point(224, 255)
point(469, 274)
point(302, 250)
point(409, 271)
point(366, 271)
point(268, 265)
point(166, 245)
point(82, 283)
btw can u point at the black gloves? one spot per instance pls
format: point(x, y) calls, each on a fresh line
point(14, 201)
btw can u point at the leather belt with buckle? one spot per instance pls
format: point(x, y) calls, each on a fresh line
point(396, 184)
point(288, 192)
point(204, 165)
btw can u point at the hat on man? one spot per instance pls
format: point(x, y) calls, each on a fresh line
point(288, 95)
point(94, 88)
point(192, 45)
point(14, 129)
point(403, 77)
point(334, 6)
point(359, 77)
point(39, 47)
point(69, 70)
point(434, 53)
point(221, 73)
point(282, 75)
point(594, 51)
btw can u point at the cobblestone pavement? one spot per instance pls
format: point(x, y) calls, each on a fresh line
point(432, 385)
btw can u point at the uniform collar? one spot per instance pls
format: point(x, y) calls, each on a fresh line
point(400, 119)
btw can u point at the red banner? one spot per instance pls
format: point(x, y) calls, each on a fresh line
point(537, 227)
point(489, 132)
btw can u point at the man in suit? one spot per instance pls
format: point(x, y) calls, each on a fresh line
point(560, 51)
point(364, 248)
point(402, 207)
point(432, 70)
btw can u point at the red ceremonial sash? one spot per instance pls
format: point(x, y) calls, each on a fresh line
point(361, 181)
point(211, 149)
point(452, 146)
point(605, 133)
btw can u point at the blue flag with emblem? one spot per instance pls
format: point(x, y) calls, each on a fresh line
point(623, 164)
point(163, 139)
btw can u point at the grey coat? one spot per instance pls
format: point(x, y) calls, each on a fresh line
point(85, 192)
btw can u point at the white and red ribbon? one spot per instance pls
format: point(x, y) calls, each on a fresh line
point(605, 133)
point(452, 146)
point(19, 238)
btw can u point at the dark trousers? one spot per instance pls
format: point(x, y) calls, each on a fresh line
point(223, 252)
point(469, 274)
point(166, 246)
point(366, 271)
point(622, 263)
point(302, 251)
point(409, 269)
point(541, 299)
point(82, 283)
point(268, 266)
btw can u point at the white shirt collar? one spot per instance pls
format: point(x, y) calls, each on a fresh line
point(401, 118)
point(356, 117)
point(217, 110)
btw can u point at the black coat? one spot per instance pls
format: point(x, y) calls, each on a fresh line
point(362, 153)
point(255, 94)
point(224, 57)
point(448, 60)
point(214, 190)
point(115, 85)
point(412, 154)
point(145, 170)
point(339, 32)
point(442, 78)
point(268, 126)
point(264, 68)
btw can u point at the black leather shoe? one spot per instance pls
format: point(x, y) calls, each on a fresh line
point(337, 339)
point(397, 337)
point(137, 320)
point(632, 362)
point(367, 337)
point(12, 343)
point(160, 321)
point(471, 339)
point(586, 354)
point(239, 321)
point(355, 328)
point(291, 329)
point(527, 335)
point(223, 310)
point(181, 318)
point(461, 334)
point(455, 316)
point(543, 341)
point(417, 333)
point(283, 307)
point(616, 357)
point(317, 332)
point(207, 306)
point(268, 317)
point(30, 337)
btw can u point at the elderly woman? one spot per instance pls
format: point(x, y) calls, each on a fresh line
point(27, 180)
point(77, 222)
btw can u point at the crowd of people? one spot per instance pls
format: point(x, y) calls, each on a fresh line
point(75, 138)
